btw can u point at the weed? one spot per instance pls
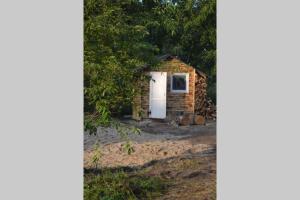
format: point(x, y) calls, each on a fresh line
point(96, 155)
point(120, 186)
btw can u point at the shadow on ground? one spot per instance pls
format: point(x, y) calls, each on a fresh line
point(190, 176)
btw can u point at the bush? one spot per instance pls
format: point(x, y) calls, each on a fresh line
point(121, 186)
point(212, 92)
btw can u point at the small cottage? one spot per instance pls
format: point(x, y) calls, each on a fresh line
point(175, 92)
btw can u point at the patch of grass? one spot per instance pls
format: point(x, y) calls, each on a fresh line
point(186, 164)
point(146, 187)
point(120, 186)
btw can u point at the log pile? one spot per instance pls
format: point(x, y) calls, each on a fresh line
point(199, 120)
point(203, 106)
point(200, 94)
point(211, 113)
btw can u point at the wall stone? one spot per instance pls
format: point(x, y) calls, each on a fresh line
point(178, 104)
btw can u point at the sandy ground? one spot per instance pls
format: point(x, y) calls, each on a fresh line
point(157, 141)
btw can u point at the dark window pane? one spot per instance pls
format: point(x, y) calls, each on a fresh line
point(179, 82)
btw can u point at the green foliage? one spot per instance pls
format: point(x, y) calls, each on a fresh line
point(187, 29)
point(114, 51)
point(124, 130)
point(128, 147)
point(96, 155)
point(122, 36)
point(120, 186)
point(211, 92)
point(147, 187)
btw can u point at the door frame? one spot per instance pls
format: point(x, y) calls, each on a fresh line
point(150, 96)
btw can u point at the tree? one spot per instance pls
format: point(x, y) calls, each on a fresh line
point(121, 36)
point(186, 29)
point(114, 50)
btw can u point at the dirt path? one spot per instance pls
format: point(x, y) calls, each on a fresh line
point(185, 157)
point(157, 141)
point(189, 177)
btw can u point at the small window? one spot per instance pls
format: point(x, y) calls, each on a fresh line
point(180, 83)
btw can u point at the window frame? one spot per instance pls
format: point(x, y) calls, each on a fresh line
point(187, 80)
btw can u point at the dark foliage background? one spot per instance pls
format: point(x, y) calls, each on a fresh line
point(121, 36)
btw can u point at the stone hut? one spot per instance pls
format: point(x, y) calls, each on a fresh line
point(175, 92)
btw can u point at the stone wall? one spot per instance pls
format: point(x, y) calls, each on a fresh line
point(178, 104)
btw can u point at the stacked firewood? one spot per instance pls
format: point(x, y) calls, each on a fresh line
point(200, 95)
point(204, 107)
point(211, 113)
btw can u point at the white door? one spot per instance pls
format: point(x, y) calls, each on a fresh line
point(158, 90)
